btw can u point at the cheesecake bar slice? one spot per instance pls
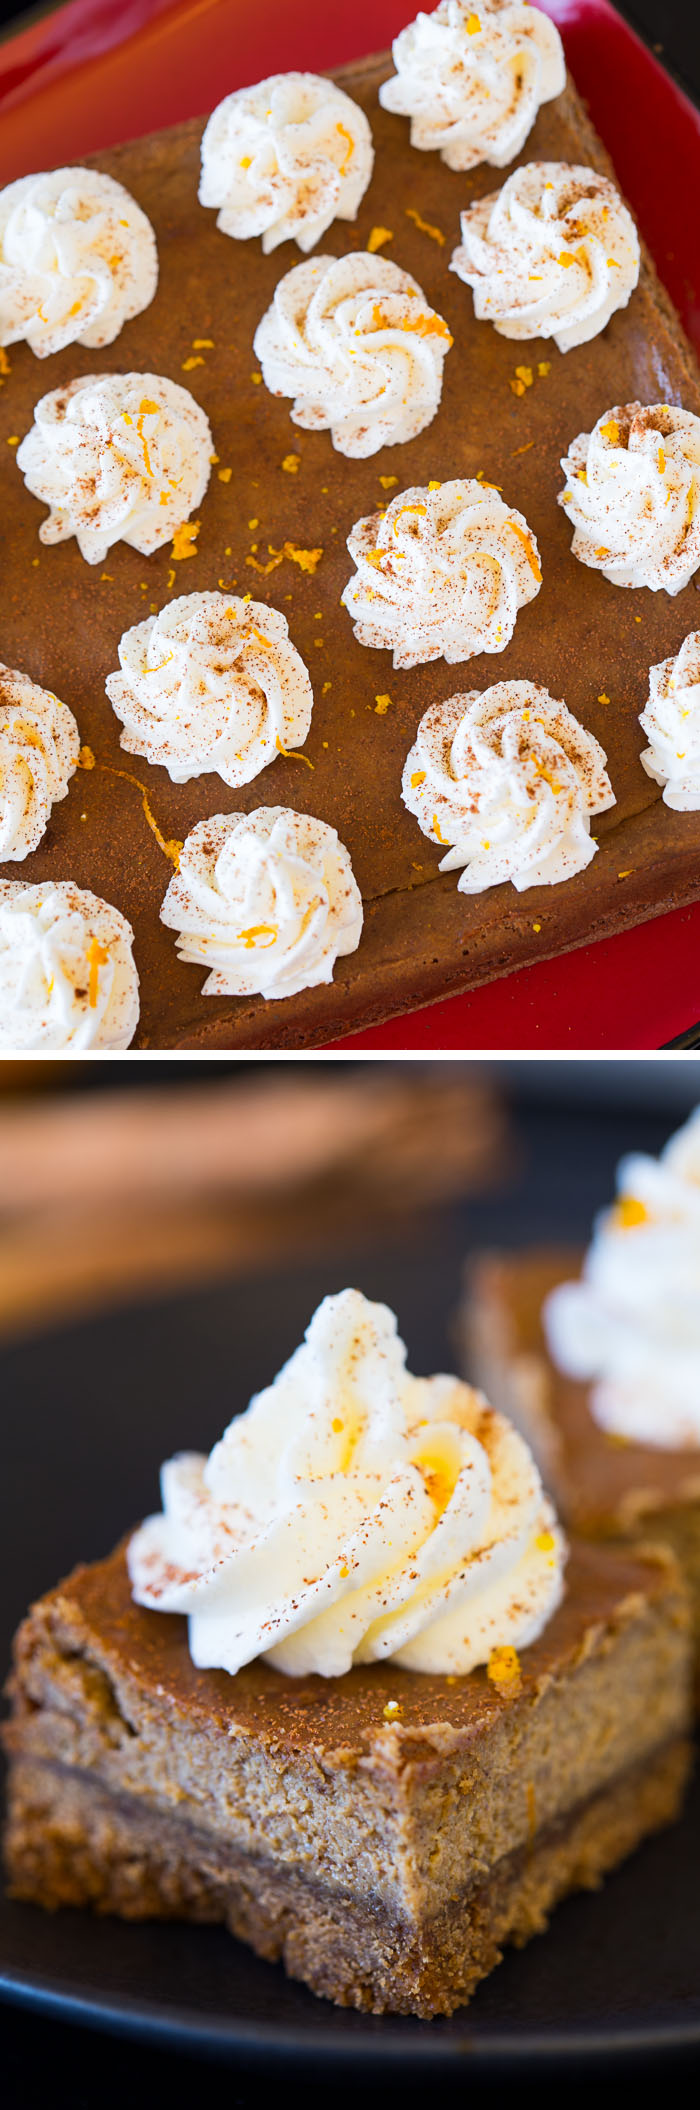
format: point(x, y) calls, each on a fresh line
point(603, 1486)
point(385, 1832)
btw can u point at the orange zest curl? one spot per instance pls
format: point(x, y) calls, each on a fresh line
point(98, 956)
point(527, 545)
point(260, 936)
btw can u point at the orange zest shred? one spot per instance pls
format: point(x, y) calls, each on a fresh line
point(347, 136)
point(423, 326)
point(184, 539)
point(603, 698)
point(4, 365)
point(224, 475)
point(425, 226)
point(291, 463)
point(527, 545)
point(407, 509)
point(387, 482)
point(272, 566)
point(503, 1667)
point(290, 754)
point(98, 956)
point(417, 778)
point(195, 359)
point(147, 409)
point(377, 238)
point(473, 25)
point(307, 559)
point(258, 936)
point(610, 431)
point(381, 705)
point(438, 832)
point(629, 1212)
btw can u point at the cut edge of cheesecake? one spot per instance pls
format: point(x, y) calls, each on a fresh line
point(387, 1861)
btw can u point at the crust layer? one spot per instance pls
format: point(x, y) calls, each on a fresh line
point(72, 1843)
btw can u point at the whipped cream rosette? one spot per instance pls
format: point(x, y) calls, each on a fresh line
point(39, 746)
point(441, 574)
point(471, 79)
point(552, 254)
point(671, 720)
point(284, 159)
point(266, 901)
point(67, 973)
point(117, 458)
point(507, 779)
point(631, 1325)
point(354, 1514)
point(354, 341)
point(633, 495)
point(78, 259)
point(211, 682)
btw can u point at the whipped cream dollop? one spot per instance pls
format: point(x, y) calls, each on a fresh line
point(671, 720)
point(355, 342)
point(633, 495)
point(266, 900)
point(631, 1325)
point(285, 158)
point(67, 973)
point(507, 779)
point(117, 458)
point(442, 573)
point(78, 259)
point(39, 747)
point(471, 79)
point(354, 1514)
point(211, 682)
point(552, 254)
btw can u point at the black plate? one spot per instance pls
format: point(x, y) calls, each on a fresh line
point(88, 1415)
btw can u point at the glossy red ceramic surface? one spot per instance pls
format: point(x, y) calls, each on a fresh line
point(99, 71)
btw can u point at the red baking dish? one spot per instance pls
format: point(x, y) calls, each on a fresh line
point(99, 71)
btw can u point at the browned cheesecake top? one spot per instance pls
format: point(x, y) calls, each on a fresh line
point(277, 497)
point(339, 1719)
point(600, 1480)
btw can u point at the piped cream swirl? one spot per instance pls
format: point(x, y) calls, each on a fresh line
point(266, 900)
point(441, 574)
point(507, 780)
point(354, 1514)
point(67, 974)
point(284, 159)
point(671, 720)
point(552, 254)
point(631, 1325)
point(78, 259)
point(633, 495)
point(39, 746)
point(472, 78)
point(117, 458)
point(354, 341)
point(211, 682)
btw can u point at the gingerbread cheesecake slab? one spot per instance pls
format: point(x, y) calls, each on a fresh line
point(384, 1832)
point(288, 491)
point(602, 1486)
